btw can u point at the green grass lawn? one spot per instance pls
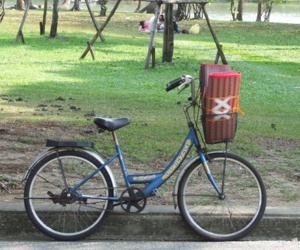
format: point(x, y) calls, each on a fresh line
point(44, 80)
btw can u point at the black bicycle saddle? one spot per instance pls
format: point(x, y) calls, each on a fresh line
point(111, 124)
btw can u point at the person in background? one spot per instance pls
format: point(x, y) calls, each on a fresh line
point(176, 28)
point(160, 23)
point(148, 26)
point(144, 26)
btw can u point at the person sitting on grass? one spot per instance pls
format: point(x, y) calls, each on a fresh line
point(177, 30)
point(144, 26)
point(160, 23)
point(148, 26)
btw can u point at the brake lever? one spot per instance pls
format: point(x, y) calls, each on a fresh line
point(183, 87)
point(186, 83)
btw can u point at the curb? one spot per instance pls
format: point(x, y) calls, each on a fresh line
point(155, 223)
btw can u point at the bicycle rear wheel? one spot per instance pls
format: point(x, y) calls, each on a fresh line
point(227, 217)
point(58, 215)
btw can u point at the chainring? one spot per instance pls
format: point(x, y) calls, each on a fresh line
point(133, 200)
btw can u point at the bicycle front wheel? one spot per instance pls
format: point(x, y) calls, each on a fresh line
point(52, 210)
point(222, 217)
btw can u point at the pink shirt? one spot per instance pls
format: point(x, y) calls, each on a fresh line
point(145, 28)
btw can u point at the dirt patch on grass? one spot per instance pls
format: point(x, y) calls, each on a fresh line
point(19, 145)
point(278, 162)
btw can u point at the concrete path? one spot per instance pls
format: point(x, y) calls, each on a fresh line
point(155, 223)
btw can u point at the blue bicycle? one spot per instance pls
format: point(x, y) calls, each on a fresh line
point(70, 189)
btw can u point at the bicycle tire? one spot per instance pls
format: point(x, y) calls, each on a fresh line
point(51, 211)
point(226, 218)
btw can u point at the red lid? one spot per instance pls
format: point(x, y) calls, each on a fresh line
point(225, 74)
point(215, 65)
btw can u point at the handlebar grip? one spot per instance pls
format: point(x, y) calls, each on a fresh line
point(175, 83)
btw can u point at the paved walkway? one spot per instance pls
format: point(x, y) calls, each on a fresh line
point(155, 223)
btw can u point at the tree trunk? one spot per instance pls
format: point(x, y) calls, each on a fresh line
point(259, 12)
point(168, 46)
point(150, 8)
point(138, 7)
point(2, 14)
point(103, 7)
point(268, 11)
point(43, 23)
point(65, 5)
point(53, 31)
point(20, 5)
point(76, 6)
point(233, 10)
point(240, 10)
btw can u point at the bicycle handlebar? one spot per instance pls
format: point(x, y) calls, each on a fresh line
point(175, 83)
point(182, 83)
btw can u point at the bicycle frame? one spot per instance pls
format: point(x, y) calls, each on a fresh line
point(154, 180)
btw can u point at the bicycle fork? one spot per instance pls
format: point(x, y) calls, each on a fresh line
point(210, 177)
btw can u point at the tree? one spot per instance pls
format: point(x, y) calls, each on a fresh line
point(264, 9)
point(20, 5)
point(138, 7)
point(267, 11)
point(65, 4)
point(240, 10)
point(2, 14)
point(184, 11)
point(233, 10)
point(54, 23)
point(53, 31)
point(150, 8)
point(237, 12)
point(168, 46)
point(259, 11)
point(103, 7)
point(76, 6)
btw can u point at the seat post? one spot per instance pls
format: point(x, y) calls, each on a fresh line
point(115, 137)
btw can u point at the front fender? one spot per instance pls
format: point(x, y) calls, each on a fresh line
point(183, 170)
point(61, 149)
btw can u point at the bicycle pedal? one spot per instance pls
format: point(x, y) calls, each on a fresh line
point(157, 193)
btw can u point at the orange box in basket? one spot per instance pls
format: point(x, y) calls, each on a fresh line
point(220, 104)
